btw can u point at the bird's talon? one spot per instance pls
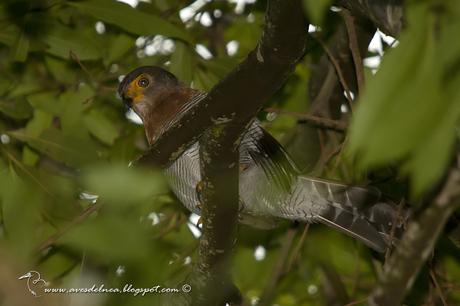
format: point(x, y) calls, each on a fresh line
point(199, 190)
point(200, 186)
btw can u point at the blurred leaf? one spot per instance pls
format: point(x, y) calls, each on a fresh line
point(20, 202)
point(46, 102)
point(29, 157)
point(181, 62)
point(407, 113)
point(316, 9)
point(60, 70)
point(123, 185)
point(110, 238)
point(54, 265)
point(17, 109)
point(119, 46)
point(62, 41)
point(40, 122)
point(204, 80)
point(101, 127)
point(73, 104)
point(9, 35)
point(73, 150)
point(21, 48)
point(130, 19)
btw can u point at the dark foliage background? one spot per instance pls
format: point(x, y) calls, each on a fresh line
point(66, 139)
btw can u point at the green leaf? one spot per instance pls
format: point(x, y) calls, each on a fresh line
point(60, 70)
point(110, 238)
point(9, 35)
point(122, 185)
point(63, 40)
point(119, 46)
point(21, 48)
point(101, 127)
point(21, 202)
point(40, 122)
point(316, 10)
point(71, 149)
point(181, 62)
point(73, 104)
point(29, 157)
point(204, 80)
point(46, 101)
point(16, 109)
point(409, 110)
point(130, 19)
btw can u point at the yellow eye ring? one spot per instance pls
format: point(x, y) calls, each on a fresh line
point(143, 82)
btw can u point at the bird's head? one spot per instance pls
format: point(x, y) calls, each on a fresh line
point(143, 86)
point(155, 95)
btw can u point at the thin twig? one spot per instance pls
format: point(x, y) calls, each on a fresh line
point(174, 223)
point(354, 48)
point(356, 302)
point(278, 268)
point(438, 288)
point(339, 72)
point(26, 171)
point(393, 228)
point(296, 252)
point(356, 273)
point(74, 57)
point(79, 219)
point(315, 120)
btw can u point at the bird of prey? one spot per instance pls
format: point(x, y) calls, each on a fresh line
point(270, 184)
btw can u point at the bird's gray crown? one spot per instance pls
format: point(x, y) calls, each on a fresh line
point(160, 75)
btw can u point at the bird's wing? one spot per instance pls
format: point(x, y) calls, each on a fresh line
point(360, 212)
point(261, 149)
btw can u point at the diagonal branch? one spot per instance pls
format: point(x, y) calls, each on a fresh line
point(416, 245)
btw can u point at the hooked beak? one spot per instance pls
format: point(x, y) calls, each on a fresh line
point(127, 100)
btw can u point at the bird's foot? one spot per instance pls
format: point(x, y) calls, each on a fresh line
point(199, 191)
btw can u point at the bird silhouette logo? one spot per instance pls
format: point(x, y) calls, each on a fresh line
point(35, 284)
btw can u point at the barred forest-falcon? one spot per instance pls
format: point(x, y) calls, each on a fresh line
point(270, 185)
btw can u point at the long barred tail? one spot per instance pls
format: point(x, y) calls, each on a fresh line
point(363, 213)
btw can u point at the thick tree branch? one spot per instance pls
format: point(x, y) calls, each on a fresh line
point(416, 245)
point(219, 172)
point(220, 118)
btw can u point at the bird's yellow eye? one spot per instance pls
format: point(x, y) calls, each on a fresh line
point(143, 82)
